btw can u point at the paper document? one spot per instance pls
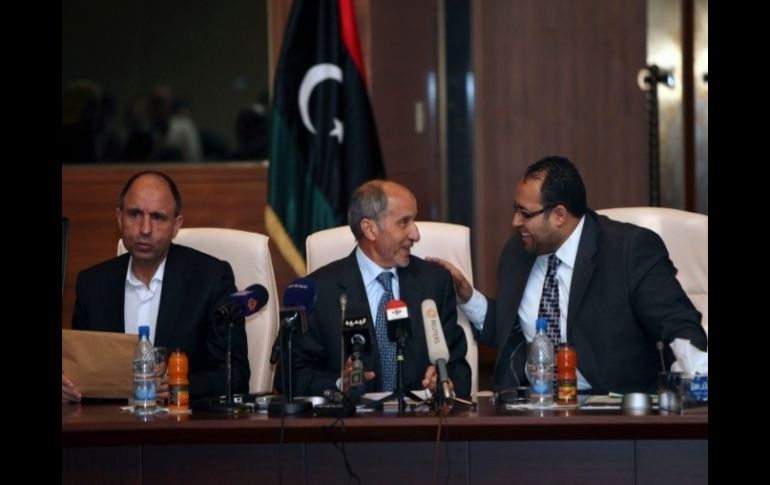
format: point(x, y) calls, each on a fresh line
point(100, 363)
point(376, 396)
point(599, 400)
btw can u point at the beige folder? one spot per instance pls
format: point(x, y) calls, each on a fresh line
point(100, 363)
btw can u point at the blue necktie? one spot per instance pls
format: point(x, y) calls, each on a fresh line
point(387, 347)
point(549, 302)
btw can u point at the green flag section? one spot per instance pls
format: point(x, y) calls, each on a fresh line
point(323, 139)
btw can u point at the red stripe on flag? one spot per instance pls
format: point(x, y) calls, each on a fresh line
point(349, 33)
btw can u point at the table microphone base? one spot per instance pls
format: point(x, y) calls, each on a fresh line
point(292, 408)
point(227, 408)
point(218, 405)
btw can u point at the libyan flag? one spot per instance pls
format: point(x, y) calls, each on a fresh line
point(323, 140)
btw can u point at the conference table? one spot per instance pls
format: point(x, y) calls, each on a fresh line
point(103, 443)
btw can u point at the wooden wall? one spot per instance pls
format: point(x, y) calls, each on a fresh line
point(556, 77)
point(231, 195)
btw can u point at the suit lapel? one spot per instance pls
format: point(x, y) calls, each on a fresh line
point(584, 267)
point(351, 283)
point(410, 292)
point(115, 298)
point(516, 291)
point(172, 296)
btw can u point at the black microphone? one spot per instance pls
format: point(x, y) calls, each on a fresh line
point(299, 301)
point(397, 317)
point(659, 345)
point(301, 292)
point(438, 352)
point(357, 337)
point(242, 303)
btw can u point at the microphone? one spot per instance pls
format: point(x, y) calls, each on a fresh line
point(239, 304)
point(357, 331)
point(299, 300)
point(438, 352)
point(397, 317)
point(343, 307)
point(659, 345)
point(243, 303)
point(343, 304)
point(357, 337)
point(301, 292)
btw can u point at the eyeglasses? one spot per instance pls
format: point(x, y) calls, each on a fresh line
point(527, 215)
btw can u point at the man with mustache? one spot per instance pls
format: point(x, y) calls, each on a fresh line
point(382, 217)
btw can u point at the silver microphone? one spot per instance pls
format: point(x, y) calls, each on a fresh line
point(438, 352)
point(343, 306)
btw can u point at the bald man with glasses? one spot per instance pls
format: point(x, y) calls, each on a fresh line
point(609, 288)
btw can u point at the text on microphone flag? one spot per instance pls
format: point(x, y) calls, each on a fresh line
point(252, 305)
point(397, 313)
point(355, 322)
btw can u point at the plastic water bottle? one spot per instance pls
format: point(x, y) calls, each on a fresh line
point(540, 366)
point(145, 390)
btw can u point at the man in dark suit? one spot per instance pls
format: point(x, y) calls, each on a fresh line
point(382, 218)
point(173, 289)
point(618, 294)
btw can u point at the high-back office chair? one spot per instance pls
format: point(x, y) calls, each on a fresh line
point(447, 241)
point(686, 237)
point(65, 237)
point(249, 256)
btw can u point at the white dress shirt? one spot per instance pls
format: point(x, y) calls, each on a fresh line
point(142, 303)
point(374, 290)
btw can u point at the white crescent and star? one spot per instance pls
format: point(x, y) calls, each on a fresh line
point(314, 76)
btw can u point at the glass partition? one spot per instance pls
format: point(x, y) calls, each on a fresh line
point(170, 80)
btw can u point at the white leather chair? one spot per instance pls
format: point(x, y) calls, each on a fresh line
point(249, 256)
point(686, 237)
point(447, 241)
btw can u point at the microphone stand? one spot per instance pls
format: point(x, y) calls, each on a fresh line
point(438, 401)
point(399, 393)
point(229, 406)
point(288, 406)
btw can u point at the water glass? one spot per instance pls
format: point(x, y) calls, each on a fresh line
point(161, 367)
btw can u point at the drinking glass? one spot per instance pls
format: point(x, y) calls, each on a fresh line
point(161, 367)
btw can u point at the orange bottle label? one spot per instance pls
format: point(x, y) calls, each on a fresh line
point(178, 384)
point(180, 397)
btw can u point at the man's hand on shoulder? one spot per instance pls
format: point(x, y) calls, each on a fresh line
point(463, 289)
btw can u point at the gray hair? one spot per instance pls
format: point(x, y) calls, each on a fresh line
point(369, 201)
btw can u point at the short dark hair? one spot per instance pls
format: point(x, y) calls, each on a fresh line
point(171, 186)
point(562, 184)
point(369, 201)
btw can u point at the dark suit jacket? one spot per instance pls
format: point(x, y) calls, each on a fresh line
point(317, 356)
point(624, 297)
point(194, 286)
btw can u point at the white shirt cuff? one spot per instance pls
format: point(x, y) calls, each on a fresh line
point(476, 309)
